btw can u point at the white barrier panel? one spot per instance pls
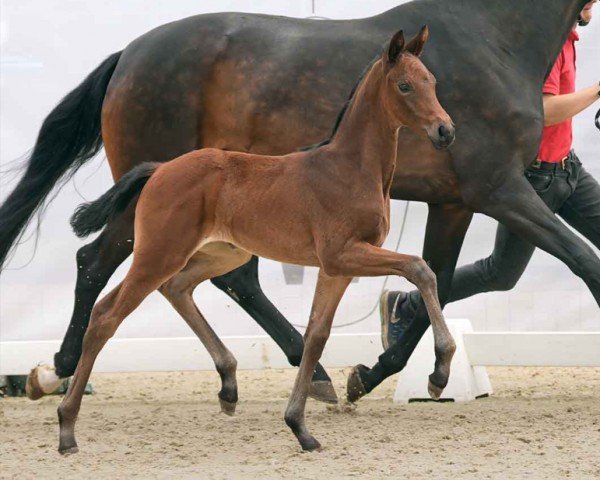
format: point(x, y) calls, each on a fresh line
point(549, 349)
point(177, 354)
point(342, 350)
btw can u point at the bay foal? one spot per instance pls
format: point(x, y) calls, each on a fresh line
point(205, 213)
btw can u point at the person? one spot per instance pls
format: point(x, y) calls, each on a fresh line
point(557, 176)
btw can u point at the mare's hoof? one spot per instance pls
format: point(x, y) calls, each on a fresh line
point(34, 389)
point(323, 391)
point(355, 389)
point(310, 444)
point(434, 390)
point(228, 408)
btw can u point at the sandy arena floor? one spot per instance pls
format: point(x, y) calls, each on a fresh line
point(540, 423)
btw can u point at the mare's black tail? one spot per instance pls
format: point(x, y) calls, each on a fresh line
point(93, 216)
point(70, 135)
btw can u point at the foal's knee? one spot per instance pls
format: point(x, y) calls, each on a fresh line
point(422, 275)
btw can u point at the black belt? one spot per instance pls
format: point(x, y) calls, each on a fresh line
point(552, 166)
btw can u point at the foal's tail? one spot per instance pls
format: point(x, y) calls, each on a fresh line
point(93, 216)
point(70, 135)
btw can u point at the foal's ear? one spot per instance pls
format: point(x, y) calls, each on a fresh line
point(415, 46)
point(395, 48)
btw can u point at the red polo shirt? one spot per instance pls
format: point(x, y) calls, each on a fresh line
point(557, 139)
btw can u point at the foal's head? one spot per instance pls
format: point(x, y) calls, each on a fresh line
point(409, 90)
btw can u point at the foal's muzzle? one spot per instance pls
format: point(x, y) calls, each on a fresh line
point(441, 135)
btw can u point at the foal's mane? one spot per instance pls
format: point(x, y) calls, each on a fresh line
point(344, 109)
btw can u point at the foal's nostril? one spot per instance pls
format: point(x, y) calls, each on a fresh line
point(443, 131)
point(443, 136)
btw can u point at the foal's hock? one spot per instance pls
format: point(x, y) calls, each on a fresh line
point(206, 212)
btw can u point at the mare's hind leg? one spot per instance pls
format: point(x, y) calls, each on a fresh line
point(243, 287)
point(142, 279)
point(96, 262)
point(212, 261)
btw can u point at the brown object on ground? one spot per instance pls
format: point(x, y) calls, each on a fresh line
point(540, 423)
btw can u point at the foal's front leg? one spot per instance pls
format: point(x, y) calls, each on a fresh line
point(328, 294)
point(365, 260)
point(243, 286)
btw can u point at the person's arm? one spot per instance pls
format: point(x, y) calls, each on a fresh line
point(558, 108)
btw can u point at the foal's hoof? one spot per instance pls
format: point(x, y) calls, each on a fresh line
point(355, 389)
point(228, 408)
point(309, 443)
point(42, 380)
point(435, 391)
point(67, 444)
point(68, 450)
point(323, 391)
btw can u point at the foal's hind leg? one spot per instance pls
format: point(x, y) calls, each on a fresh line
point(106, 317)
point(96, 262)
point(179, 292)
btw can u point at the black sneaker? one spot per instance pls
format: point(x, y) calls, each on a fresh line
point(392, 327)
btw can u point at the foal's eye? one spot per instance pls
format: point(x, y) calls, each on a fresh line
point(404, 87)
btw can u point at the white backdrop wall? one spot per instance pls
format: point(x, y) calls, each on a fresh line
point(47, 48)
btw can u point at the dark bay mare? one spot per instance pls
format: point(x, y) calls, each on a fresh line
point(208, 211)
point(269, 85)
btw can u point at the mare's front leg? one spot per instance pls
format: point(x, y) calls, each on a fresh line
point(96, 262)
point(446, 228)
point(517, 206)
point(328, 294)
point(243, 286)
